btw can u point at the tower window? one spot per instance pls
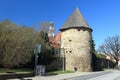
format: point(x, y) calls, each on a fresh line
point(70, 40)
point(70, 51)
point(78, 29)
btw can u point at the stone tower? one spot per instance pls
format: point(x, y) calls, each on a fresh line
point(76, 43)
point(51, 30)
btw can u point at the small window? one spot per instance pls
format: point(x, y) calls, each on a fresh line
point(70, 51)
point(66, 51)
point(84, 30)
point(70, 40)
point(78, 29)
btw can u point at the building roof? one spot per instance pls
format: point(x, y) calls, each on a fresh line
point(57, 37)
point(55, 42)
point(75, 20)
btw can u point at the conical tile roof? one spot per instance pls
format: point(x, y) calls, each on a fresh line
point(75, 20)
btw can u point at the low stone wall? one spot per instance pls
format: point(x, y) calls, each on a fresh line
point(99, 64)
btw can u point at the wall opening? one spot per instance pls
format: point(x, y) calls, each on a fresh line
point(70, 51)
point(70, 40)
point(75, 69)
point(78, 29)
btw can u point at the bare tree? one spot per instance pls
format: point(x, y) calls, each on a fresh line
point(44, 26)
point(16, 44)
point(111, 46)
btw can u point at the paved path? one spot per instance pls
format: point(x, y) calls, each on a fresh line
point(105, 75)
point(101, 75)
point(88, 77)
point(118, 78)
point(56, 77)
point(111, 76)
point(61, 76)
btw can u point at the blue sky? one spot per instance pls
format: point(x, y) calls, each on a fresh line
point(103, 16)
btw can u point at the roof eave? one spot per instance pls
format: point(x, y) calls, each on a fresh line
point(77, 27)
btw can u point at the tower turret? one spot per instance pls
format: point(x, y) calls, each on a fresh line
point(76, 42)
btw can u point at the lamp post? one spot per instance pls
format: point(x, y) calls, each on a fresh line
point(63, 56)
point(37, 51)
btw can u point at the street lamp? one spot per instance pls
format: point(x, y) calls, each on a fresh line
point(63, 55)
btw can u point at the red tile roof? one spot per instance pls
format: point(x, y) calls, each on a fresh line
point(118, 58)
point(55, 42)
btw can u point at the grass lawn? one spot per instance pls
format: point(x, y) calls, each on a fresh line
point(60, 72)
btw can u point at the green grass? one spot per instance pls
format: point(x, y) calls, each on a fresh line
point(15, 70)
point(60, 72)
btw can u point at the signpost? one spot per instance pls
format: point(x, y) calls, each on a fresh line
point(37, 51)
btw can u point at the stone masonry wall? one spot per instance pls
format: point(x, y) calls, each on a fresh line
point(77, 49)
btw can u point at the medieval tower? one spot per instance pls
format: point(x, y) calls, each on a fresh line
point(76, 43)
